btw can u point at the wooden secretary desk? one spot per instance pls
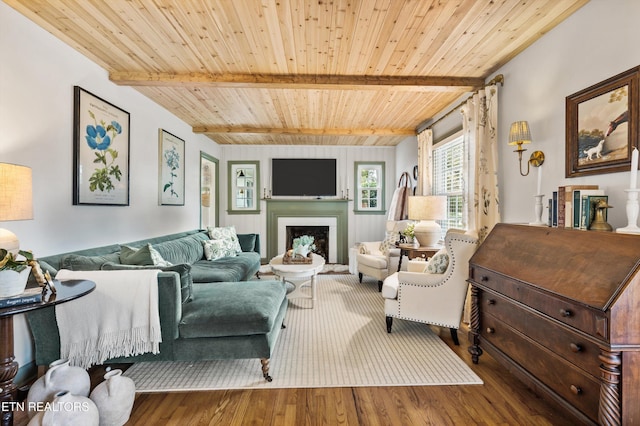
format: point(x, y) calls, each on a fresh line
point(560, 309)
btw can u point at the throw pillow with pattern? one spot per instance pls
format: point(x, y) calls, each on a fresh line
point(438, 263)
point(389, 242)
point(215, 249)
point(227, 234)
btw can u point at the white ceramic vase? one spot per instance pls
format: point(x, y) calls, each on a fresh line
point(114, 398)
point(67, 410)
point(59, 377)
point(13, 283)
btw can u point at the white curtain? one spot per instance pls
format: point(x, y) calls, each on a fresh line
point(480, 124)
point(425, 152)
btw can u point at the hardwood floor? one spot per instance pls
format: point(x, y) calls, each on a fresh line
point(501, 400)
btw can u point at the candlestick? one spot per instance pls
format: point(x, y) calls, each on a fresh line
point(632, 213)
point(538, 211)
point(539, 180)
point(634, 168)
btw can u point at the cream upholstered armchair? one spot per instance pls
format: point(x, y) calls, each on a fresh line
point(379, 259)
point(433, 298)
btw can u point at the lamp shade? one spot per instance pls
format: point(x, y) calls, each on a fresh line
point(16, 201)
point(519, 133)
point(428, 207)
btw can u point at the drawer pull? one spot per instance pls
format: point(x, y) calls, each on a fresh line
point(575, 347)
point(484, 278)
point(491, 330)
point(491, 302)
point(577, 390)
point(566, 313)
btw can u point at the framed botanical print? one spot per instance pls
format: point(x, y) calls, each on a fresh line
point(602, 126)
point(100, 151)
point(171, 169)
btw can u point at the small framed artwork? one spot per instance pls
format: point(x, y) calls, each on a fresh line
point(100, 151)
point(602, 126)
point(171, 169)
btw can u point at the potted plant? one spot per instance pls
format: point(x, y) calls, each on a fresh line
point(303, 245)
point(14, 272)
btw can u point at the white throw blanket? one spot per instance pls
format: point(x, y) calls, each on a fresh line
point(119, 318)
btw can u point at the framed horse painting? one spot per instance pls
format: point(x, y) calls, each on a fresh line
point(602, 126)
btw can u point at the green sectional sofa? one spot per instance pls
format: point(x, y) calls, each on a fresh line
point(209, 309)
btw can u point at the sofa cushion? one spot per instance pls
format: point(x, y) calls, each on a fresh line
point(236, 268)
point(228, 235)
point(182, 250)
point(372, 260)
point(145, 255)
point(78, 262)
point(232, 309)
point(184, 270)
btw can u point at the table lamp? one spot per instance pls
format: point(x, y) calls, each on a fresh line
point(427, 209)
point(16, 201)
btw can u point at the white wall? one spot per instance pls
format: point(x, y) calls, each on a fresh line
point(406, 158)
point(37, 75)
point(599, 41)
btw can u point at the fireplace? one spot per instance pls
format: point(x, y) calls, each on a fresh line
point(296, 213)
point(320, 236)
point(309, 224)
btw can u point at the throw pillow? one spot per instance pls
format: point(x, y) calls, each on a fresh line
point(438, 263)
point(227, 234)
point(215, 249)
point(145, 255)
point(78, 262)
point(389, 242)
point(184, 270)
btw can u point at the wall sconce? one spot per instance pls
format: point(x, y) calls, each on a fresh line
point(520, 134)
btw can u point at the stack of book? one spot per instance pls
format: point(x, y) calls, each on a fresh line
point(573, 206)
point(30, 295)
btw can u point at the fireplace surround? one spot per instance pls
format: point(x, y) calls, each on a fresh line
point(312, 212)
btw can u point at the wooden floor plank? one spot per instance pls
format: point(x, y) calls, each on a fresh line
point(501, 400)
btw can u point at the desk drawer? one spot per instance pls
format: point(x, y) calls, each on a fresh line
point(568, 344)
point(578, 316)
point(571, 383)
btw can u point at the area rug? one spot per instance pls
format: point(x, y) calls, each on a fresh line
point(341, 342)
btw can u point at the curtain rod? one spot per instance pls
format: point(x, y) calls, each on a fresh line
point(495, 80)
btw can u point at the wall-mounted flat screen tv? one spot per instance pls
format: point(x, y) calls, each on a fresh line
point(303, 177)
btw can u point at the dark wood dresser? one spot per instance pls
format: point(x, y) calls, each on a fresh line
point(560, 309)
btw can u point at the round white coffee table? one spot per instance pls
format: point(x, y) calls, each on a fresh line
point(289, 271)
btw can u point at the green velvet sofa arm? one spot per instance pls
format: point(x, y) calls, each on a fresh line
point(47, 337)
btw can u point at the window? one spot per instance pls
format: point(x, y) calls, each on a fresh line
point(244, 181)
point(449, 179)
point(369, 196)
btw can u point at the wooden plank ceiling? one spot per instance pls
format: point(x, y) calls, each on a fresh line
point(322, 72)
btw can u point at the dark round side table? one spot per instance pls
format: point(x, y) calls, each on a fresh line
point(65, 291)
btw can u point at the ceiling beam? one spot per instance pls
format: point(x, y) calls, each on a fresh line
point(298, 81)
point(314, 132)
